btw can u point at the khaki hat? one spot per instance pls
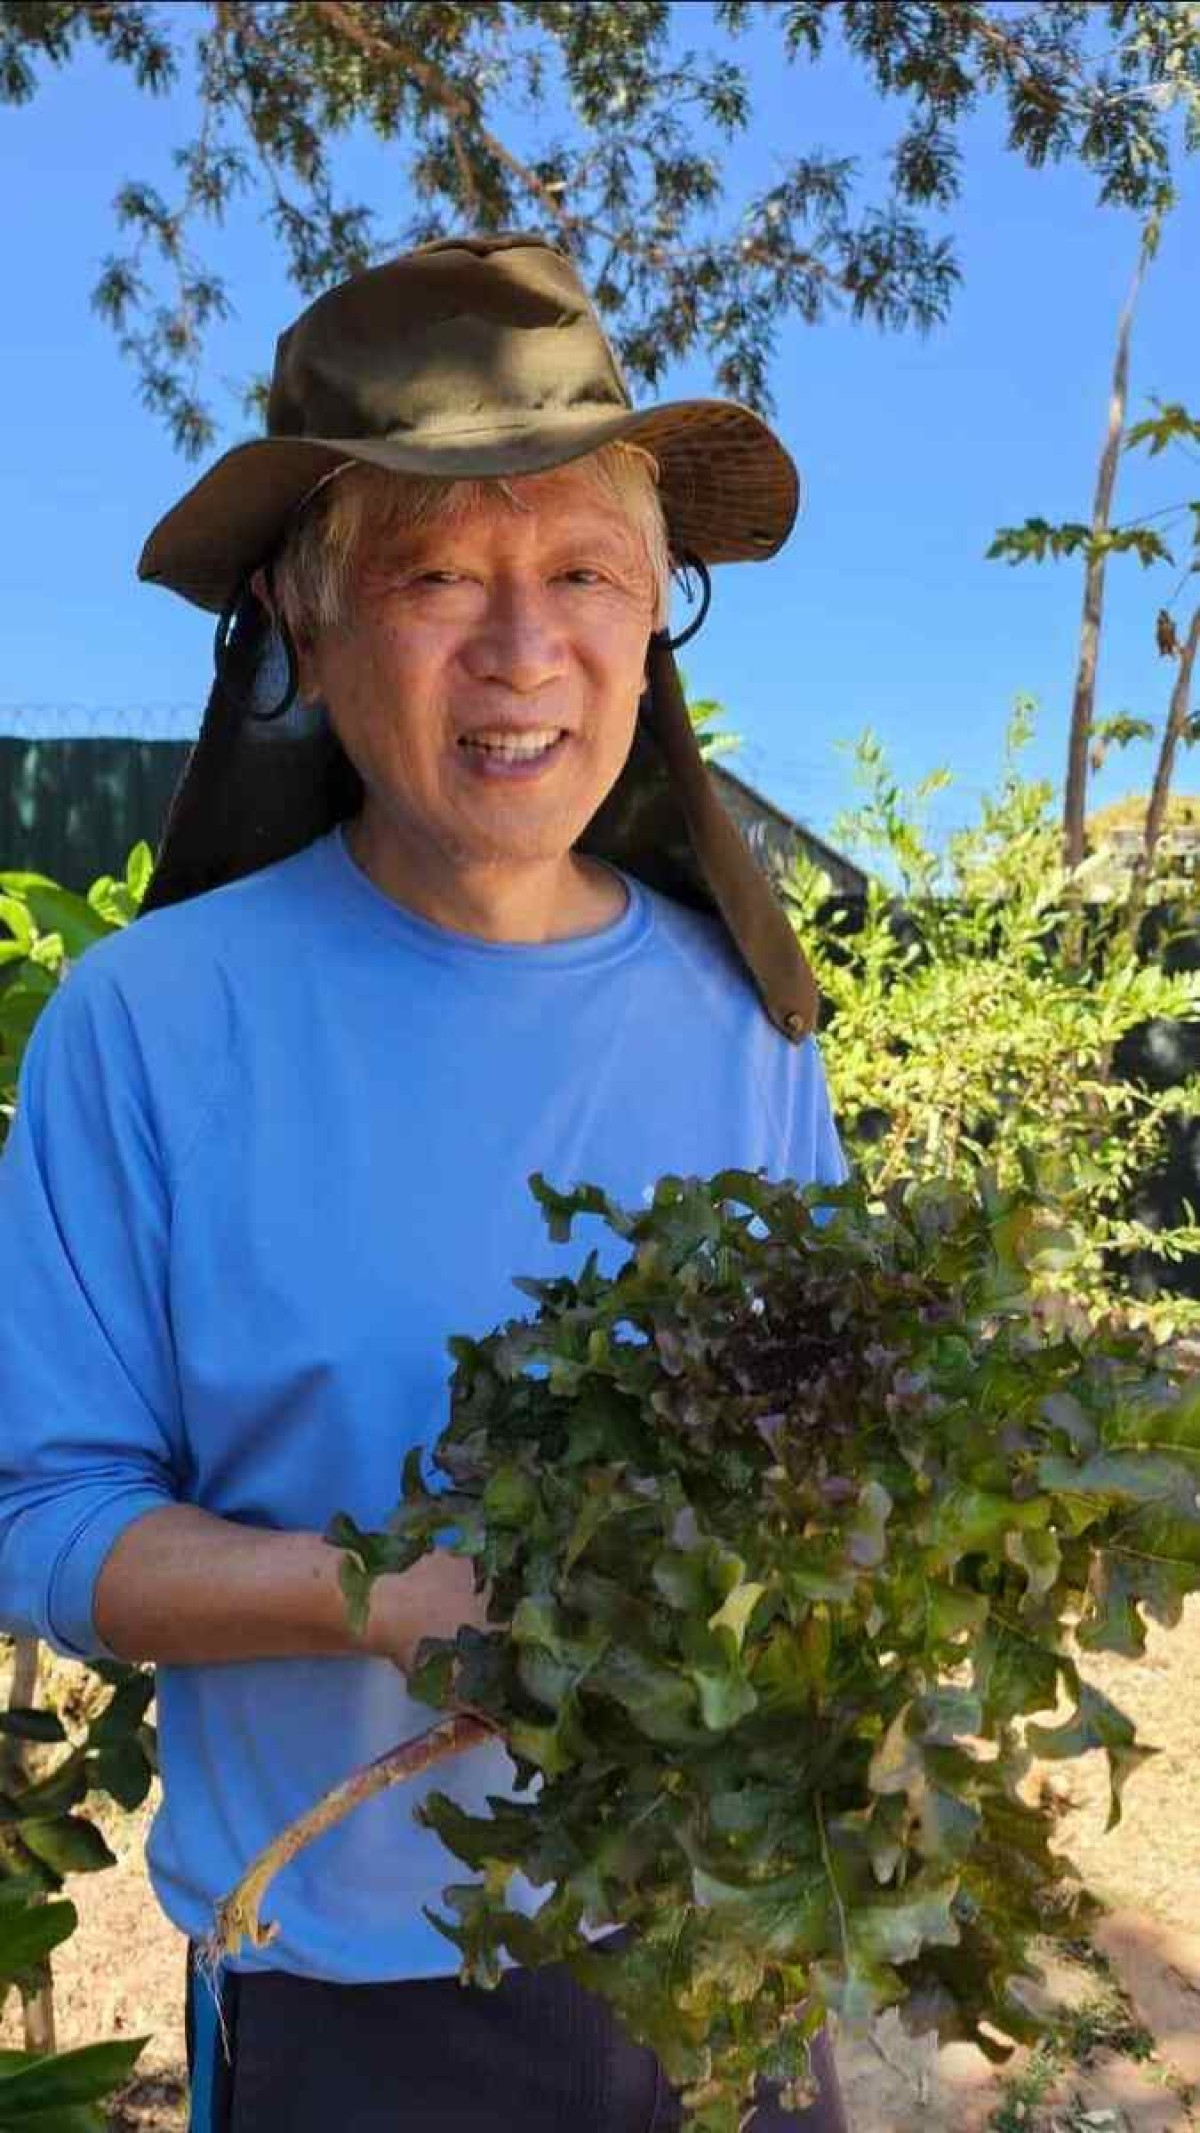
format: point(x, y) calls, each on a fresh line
point(469, 358)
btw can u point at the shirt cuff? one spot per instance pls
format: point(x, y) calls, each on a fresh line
point(70, 1620)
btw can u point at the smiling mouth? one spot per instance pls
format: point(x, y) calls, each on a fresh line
point(515, 747)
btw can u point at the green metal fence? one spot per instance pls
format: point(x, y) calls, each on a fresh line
point(72, 809)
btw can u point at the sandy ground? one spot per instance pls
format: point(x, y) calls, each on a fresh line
point(122, 1973)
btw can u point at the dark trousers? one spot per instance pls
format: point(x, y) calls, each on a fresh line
point(286, 2054)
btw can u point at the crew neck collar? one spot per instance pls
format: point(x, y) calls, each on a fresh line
point(581, 951)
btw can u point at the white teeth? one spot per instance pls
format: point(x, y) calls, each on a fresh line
point(512, 745)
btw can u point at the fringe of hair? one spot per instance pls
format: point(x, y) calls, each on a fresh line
point(314, 566)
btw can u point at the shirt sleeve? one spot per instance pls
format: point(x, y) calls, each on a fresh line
point(90, 1438)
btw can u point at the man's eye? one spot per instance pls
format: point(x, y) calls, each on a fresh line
point(439, 577)
point(582, 575)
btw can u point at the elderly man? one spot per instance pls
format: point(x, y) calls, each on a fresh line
point(461, 906)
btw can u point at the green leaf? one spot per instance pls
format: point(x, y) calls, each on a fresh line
point(26, 1724)
point(1014, 1671)
point(682, 1577)
point(60, 2118)
point(548, 1747)
point(112, 900)
point(894, 1929)
point(69, 1845)
point(16, 1890)
point(138, 869)
point(561, 1208)
point(124, 1772)
point(53, 1795)
point(1172, 424)
point(367, 1556)
point(1112, 1621)
point(28, 1934)
point(968, 1520)
point(724, 1697)
point(15, 917)
point(604, 1499)
point(788, 1917)
point(57, 910)
point(62, 2079)
point(1067, 1414)
point(1095, 1723)
point(511, 1498)
point(1124, 1477)
point(123, 1713)
point(1148, 1560)
point(791, 1670)
point(662, 1703)
point(736, 1609)
point(1039, 1556)
point(951, 1614)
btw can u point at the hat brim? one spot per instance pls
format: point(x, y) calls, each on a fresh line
point(730, 491)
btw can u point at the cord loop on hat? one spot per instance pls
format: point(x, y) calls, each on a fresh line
point(233, 616)
point(687, 564)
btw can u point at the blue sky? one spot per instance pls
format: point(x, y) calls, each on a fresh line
point(881, 611)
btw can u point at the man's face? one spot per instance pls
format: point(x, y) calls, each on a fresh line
point(485, 683)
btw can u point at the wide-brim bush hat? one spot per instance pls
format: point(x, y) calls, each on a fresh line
point(468, 358)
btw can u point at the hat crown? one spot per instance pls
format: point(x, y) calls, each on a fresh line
point(462, 334)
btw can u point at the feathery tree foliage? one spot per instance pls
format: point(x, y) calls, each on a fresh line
point(606, 127)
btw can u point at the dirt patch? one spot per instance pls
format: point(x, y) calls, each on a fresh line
point(1151, 1861)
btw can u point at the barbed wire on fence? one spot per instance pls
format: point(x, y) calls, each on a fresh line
point(162, 721)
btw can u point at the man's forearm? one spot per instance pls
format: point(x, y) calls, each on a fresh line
point(189, 1589)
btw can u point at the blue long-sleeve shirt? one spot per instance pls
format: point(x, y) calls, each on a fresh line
point(270, 1151)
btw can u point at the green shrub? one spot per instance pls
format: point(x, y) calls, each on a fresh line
point(964, 1030)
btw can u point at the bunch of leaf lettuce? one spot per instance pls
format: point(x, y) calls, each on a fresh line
point(789, 1527)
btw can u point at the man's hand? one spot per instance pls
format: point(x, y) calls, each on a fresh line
point(433, 1599)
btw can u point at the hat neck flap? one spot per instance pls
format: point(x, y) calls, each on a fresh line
point(252, 794)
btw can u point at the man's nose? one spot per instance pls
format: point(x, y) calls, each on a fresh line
point(518, 642)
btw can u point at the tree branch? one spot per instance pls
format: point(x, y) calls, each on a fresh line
point(1156, 813)
point(37, 1996)
point(1083, 705)
point(343, 18)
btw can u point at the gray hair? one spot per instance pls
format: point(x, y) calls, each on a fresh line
point(314, 568)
